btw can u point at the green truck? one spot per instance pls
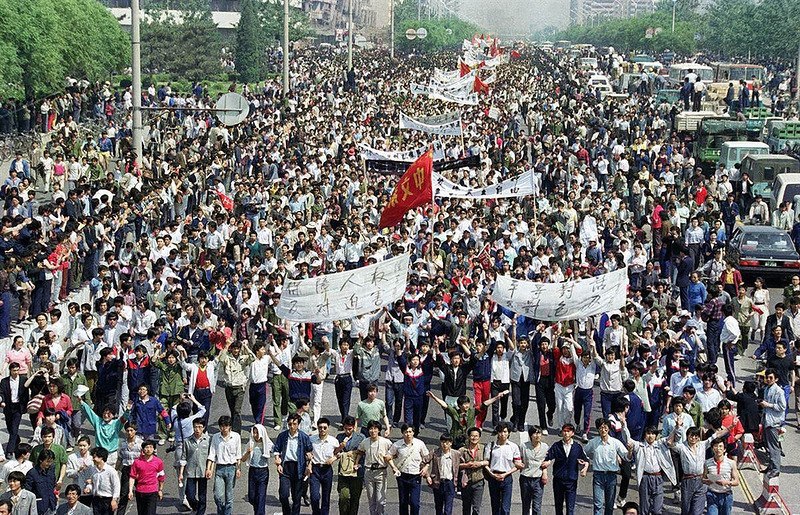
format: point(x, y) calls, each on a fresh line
point(715, 131)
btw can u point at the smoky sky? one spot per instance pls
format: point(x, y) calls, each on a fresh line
point(516, 17)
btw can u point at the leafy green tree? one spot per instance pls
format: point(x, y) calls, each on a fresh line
point(43, 41)
point(187, 45)
point(249, 55)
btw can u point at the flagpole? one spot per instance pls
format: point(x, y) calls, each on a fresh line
point(433, 203)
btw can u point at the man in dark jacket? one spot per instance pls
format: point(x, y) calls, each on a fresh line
point(568, 460)
point(13, 401)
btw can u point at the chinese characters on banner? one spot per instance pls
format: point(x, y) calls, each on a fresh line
point(344, 295)
point(570, 300)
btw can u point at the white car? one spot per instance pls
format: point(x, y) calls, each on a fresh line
point(602, 83)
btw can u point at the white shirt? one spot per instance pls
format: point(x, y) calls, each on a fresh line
point(259, 369)
point(322, 449)
point(585, 376)
point(14, 384)
point(502, 457)
point(501, 370)
point(408, 457)
point(225, 451)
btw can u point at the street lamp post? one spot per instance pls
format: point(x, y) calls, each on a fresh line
point(349, 35)
point(285, 47)
point(674, 4)
point(391, 28)
point(136, 81)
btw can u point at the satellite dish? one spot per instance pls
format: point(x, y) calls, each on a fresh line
point(232, 109)
point(411, 34)
point(422, 33)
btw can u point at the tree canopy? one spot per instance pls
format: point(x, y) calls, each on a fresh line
point(727, 28)
point(44, 41)
point(442, 33)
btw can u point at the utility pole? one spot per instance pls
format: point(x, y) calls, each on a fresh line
point(674, 4)
point(136, 80)
point(285, 47)
point(391, 28)
point(797, 80)
point(349, 35)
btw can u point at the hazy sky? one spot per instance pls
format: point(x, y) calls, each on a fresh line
point(516, 16)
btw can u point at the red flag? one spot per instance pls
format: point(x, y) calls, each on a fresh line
point(463, 68)
point(227, 202)
point(479, 86)
point(481, 64)
point(493, 50)
point(515, 54)
point(414, 189)
point(485, 258)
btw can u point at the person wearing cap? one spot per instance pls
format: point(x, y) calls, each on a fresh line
point(569, 461)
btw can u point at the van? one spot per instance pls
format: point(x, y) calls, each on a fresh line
point(602, 83)
point(785, 188)
point(733, 152)
point(763, 169)
point(588, 63)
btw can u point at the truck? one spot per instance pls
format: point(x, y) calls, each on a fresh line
point(712, 133)
point(780, 134)
point(762, 170)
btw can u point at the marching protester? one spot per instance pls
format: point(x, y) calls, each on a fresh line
point(546, 241)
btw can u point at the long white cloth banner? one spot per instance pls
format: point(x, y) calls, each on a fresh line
point(344, 295)
point(445, 77)
point(569, 300)
point(449, 128)
point(524, 184)
point(373, 154)
point(464, 99)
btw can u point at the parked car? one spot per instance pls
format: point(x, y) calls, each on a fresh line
point(763, 250)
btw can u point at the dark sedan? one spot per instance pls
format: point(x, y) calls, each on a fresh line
point(763, 250)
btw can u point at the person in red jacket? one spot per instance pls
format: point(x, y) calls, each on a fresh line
point(565, 355)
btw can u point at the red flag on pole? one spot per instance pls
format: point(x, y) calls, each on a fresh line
point(515, 54)
point(493, 50)
point(414, 189)
point(227, 202)
point(485, 258)
point(463, 68)
point(479, 86)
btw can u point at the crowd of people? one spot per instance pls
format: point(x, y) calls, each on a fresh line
point(184, 251)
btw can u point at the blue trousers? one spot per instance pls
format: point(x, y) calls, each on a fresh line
point(443, 496)
point(224, 483)
point(394, 401)
point(565, 490)
point(343, 386)
point(257, 479)
point(532, 490)
point(196, 492)
point(321, 481)
point(500, 495)
point(713, 331)
point(606, 398)
point(413, 411)
point(408, 486)
point(604, 488)
point(718, 504)
point(257, 395)
point(582, 403)
point(290, 487)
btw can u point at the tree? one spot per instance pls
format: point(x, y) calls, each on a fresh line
point(249, 55)
point(43, 41)
point(187, 45)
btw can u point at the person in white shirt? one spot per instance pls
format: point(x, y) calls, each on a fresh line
point(323, 446)
point(501, 380)
point(375, 450)
point(406, 457)
point(224, 464)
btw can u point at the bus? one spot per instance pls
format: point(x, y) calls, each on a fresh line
point(562, 45)
point(725, 73)
point(677, 72)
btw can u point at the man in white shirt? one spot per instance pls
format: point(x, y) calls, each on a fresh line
point(224, 455)
point(406, 457)
point(321, 480)
point(375, 450)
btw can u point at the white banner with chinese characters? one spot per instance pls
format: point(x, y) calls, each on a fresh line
point(569, 300)
point(373, 154)
point(447, 127)
point(344, 295)
point(523, 184)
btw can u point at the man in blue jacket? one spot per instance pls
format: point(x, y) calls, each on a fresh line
point(293, 454)
point(568, 460)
